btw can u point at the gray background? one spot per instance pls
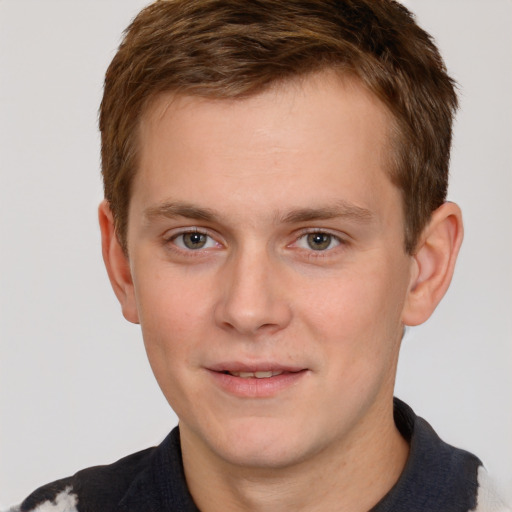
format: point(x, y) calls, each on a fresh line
point(75, 387)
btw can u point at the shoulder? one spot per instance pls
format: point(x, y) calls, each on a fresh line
point(438, 476)
point(57, 496)
point(488, 499)
point(98, 488)
point(151, 480)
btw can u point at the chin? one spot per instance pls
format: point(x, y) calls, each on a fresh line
point(254, 454)
point(265, 444)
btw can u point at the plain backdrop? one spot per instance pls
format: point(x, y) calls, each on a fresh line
point(75, 387)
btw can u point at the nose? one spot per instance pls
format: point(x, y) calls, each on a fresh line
point(252, 295)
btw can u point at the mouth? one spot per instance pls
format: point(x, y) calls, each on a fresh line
point(265, 381)
point(255, 375)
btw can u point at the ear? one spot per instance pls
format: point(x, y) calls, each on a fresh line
point(117, 264)
point(434, 263)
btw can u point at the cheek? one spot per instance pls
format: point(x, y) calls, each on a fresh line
point(172, 331)
point(167, 298)
point(361, 315)
point(172, 314)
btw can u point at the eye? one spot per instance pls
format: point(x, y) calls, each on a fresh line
point(318, 241)
point(194, 240)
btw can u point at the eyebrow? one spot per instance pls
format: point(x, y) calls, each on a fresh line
point(179, 209)
point(340, 209)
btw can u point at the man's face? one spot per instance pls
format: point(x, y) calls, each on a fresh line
point(265, 244)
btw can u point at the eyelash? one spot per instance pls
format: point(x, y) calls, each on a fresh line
point(322, 253)
point(170, 242)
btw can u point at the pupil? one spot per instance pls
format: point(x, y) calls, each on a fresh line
point(194, 240)
point(319, 241)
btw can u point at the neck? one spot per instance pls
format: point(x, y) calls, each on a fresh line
point(351, 476)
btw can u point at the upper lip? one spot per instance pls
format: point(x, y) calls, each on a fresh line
point(234, 366)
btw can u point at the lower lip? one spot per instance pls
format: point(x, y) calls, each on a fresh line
point(253, 387)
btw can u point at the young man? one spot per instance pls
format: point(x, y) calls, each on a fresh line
point(275, 179)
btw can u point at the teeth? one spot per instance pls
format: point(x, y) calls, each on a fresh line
point(263, 375)
point(257, 375)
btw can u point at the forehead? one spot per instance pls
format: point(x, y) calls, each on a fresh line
point(300, 135)
point(312, 91)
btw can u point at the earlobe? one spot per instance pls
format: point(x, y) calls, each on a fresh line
point(434, 263)
point(117, 264)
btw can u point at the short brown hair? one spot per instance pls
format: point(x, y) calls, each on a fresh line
point(237, 48)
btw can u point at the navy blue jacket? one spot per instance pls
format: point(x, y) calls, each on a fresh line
point(437, 478)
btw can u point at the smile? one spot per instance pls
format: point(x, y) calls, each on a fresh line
point(256, 382)
point(255, 375)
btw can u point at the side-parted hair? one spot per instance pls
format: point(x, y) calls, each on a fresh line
point(237, 48)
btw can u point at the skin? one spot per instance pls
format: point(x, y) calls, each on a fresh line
point(295, 263)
